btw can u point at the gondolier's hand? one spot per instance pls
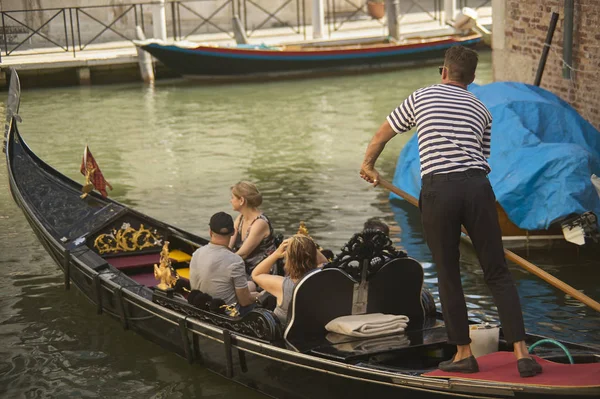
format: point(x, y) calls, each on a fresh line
point(369, 174)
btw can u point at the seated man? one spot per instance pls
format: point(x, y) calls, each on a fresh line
point(217, 271)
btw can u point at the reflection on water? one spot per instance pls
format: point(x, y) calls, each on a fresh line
point(173, 151)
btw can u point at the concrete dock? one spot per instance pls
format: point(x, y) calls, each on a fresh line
point(117, 62)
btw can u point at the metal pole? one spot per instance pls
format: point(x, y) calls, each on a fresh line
point(78, 29)
point(298, 15)
point(179, 35)
point(72, 32)
point(318, 19)
point(4, 34)
point(174, 20)
point(304, 17)
point(568, 39)
point(549, 35)
point(65, 23)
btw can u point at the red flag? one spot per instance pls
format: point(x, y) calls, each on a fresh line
point(88, 163)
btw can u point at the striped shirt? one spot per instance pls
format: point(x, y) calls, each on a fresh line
point(454, 128)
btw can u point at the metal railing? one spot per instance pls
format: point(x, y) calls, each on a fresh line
point(70, 20)
point(177, 6)
point(37, 24)
point(67, 29)
point(431, 9)
point(240, 8)
point(475, 4)
point(23, 27)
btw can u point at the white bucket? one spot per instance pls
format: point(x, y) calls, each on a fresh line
point(484, 339)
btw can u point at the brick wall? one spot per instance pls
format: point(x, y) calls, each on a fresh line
point(518, 48)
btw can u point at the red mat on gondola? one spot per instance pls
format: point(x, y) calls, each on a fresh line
point(502, 367)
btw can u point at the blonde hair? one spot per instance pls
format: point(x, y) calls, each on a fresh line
point(249, 192)
point(301, 256)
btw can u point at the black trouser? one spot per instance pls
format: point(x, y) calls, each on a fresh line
point(467, 198)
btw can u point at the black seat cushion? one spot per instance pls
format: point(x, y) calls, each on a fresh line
point(396, 289)
point(319, 297)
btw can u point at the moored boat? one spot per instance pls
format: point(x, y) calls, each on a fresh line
point(108, 251)
point(214, 63)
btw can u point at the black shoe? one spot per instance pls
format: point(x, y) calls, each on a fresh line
point(528, 367)
point(446, 362)
point(466, 365)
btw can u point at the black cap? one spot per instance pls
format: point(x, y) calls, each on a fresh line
point(221, 223)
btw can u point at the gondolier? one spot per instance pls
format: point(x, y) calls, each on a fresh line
point(454, 130)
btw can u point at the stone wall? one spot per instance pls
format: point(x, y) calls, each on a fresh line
point(520, 29)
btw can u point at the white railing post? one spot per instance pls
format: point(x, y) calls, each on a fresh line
point(392, 9)
point(318, 19)
point(159, 21)
point(449, 10)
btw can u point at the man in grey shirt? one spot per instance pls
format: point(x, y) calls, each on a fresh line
point(217, 271)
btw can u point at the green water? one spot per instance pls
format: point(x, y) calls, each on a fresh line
point(173, 151)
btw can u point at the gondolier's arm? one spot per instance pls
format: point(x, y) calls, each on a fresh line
point(384, 134)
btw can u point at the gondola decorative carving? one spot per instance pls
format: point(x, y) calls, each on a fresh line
point(371, 245)
point(303, 230)
point(127, 239)
point(164, 271)
point(258, 323)
point(88, 186)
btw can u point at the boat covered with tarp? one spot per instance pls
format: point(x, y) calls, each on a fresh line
point(116, 257)
point(544, 159)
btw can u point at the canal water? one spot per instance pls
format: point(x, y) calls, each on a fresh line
point(173, 151)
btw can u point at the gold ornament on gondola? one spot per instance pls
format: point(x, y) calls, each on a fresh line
point(88, 186)
point(127, 239)
point(303, 230)
point(164, 272)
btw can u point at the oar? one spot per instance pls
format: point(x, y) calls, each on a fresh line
point(530, 267)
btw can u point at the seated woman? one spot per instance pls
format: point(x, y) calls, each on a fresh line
point(253, 238)
point(301, 256)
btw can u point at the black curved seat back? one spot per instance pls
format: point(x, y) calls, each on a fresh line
point(396, 289)
point(319, 297)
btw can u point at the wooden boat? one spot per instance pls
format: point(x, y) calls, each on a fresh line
point(247, 61)
point(107, 251)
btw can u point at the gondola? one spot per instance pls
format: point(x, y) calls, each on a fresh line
point(107, 250)
point(243, 62)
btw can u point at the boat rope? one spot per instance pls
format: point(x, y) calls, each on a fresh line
point(562, 60)
point(554, 342)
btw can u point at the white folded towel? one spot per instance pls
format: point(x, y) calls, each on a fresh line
point(368, 325)
point(369, 344)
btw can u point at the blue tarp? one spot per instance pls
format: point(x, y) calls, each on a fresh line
point(543, 154)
